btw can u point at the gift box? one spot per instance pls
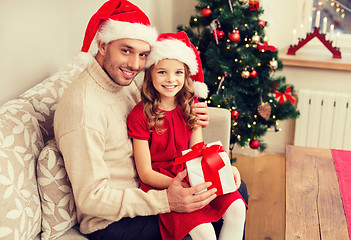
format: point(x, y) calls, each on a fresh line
point(209, 163)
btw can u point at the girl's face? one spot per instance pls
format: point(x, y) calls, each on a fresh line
point(168, 77)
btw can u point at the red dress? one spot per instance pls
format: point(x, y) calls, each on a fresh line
point(164, 148)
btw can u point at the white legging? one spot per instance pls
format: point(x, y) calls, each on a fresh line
point(233, 225)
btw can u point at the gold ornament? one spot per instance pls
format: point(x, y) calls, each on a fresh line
point(273, 64)
point(245, 74)
point(256, 38)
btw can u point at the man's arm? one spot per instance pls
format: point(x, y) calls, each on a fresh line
point(186, 200)
point(95, 193)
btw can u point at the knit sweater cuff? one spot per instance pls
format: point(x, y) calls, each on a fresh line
point(163, 200)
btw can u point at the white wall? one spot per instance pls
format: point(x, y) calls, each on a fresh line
point(37, 37)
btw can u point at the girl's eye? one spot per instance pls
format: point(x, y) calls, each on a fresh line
point(179, 72)
point(161, 72)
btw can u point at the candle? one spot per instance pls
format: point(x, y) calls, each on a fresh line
point(302, 32)
point(318, 18)
point(337, 39)
point(309, 24)
point(325, 20)
point(294, 40)
point(331, 33)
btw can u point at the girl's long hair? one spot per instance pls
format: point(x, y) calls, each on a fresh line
point(151, 100)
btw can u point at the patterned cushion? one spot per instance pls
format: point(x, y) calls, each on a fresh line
point(57, 202)
point(45, 96)
point(20, 145)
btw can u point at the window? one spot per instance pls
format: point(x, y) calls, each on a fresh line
point(333, 17)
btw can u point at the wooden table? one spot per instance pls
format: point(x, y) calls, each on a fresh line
point(314, 208)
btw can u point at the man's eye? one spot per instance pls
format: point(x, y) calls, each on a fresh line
point(126, 50)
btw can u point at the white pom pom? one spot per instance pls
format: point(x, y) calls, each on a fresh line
point(83, 59)
point(200, 89)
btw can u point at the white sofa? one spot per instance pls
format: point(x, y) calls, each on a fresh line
point(35, 194)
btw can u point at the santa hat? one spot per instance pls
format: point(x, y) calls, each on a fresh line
point(117, 19)
point(178, 46)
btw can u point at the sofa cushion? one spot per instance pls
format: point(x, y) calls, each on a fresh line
point(57, 202)
point(45, 96)
point(20, 145)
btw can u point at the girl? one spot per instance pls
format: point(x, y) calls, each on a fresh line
point(163, 124)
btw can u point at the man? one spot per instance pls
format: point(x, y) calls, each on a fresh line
point(91, 133)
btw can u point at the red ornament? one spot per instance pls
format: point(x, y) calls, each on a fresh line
point(261, 23)
point(218, 33)
point(254, 144)
point(235, 36)
point(254, 5)
point(235, 114)
point(253, 73)
point(206, 12)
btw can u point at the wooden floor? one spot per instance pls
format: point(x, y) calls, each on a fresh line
point(265, 179)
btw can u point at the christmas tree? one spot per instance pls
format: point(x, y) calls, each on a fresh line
point(239, 67)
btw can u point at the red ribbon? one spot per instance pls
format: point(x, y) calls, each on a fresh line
point(282, 97)
point(211, 162)
point(265, 47)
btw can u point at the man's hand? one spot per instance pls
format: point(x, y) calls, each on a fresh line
point(182, 199)
point(200, 109)
point(237, 177)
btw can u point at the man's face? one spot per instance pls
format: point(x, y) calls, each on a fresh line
point(124, 58)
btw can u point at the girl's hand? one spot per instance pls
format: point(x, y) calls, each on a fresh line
point(200, 109)
point(236, 177)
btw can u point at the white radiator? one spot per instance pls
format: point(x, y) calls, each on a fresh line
point(325, 120)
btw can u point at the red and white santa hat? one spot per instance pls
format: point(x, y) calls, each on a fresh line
point(117, 19)
point(178, 46)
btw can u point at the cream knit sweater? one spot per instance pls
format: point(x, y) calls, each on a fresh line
point(91, 133)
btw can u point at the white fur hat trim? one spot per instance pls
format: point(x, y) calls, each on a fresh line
point(173, 49)
point(112, 30)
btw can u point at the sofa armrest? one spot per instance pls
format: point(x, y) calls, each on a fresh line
point(219, 127)
point(20, 144)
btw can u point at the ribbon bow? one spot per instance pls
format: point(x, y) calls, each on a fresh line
point(265, 47)
point(282, 97)
point(211, 162)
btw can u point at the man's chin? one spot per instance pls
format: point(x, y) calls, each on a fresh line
point(124, 82)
